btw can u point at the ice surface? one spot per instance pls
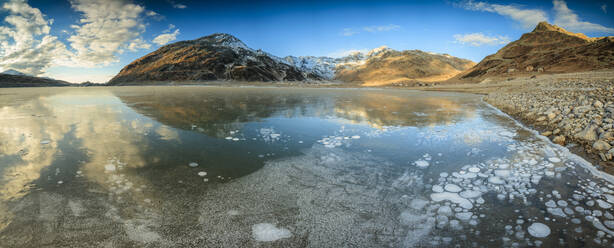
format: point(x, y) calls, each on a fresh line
point(418, 203)
point(437, 188)
point(495, 180)
point(464, 216)
point(554, 160)
point(539, 230)
point(551, 204)
point(109, 167)
point(421, 163)
point(502, 173)
point(266, 232)
point(452, 188)
point(557, 212)
point(470, 194)
point(453, 197)
point(444, 210)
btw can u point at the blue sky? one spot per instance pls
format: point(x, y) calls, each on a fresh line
point(81, 40)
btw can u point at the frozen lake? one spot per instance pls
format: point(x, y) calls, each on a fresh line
point(278, 167)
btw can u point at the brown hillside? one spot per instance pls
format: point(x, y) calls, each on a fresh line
point(388, 66)
point(214, 57)
point(547, 49)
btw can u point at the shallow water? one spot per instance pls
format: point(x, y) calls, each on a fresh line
point(237, 167)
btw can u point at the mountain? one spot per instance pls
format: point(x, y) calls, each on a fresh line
point(214, 57)
point(17, 79)
point(385, 66)
point(310, 66)
point(547, 49)
point(224, 57)
point(14, 72)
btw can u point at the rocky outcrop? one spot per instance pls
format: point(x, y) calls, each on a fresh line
point(568, 111)
point(547, 49)
point(213, 57)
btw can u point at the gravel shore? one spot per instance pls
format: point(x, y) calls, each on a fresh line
point(573, 110)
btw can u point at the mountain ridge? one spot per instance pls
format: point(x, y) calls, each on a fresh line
point(214, 57)
point(222, 56)
point(17, 79)
point(546, 49)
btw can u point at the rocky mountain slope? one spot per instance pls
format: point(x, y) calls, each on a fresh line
point(547, 49)
point(224, 57)
point(385, 66)
point(12, 78)
point(214, 57)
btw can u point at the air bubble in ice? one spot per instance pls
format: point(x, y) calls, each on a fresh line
point(266, 232)
point(539, 230)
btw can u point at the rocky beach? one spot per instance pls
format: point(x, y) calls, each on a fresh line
point(575, 110)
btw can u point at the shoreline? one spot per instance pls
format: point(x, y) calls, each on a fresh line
point(574, 110)
point(590, 166)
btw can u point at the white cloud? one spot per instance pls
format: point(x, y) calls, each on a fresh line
point(346, 52)
point(170, 27)
point(167, 37)
point(81, 75)
point(604, 8)
point(370, 29)
point(384, 28)
point(479, 39)
point(107, 28)
point(25, 43)
point(567, 19)
point(348, 32)
point(177, 5)
point(528, 18)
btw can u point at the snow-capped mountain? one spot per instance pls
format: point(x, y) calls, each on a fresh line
point(224, 57)
point(323, 67)
point(326, 67)
point(214, 57)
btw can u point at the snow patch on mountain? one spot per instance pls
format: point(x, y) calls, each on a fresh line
point(321, 66)
point(226, 40)
point(325, 67)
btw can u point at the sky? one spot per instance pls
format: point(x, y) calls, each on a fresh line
point(91, 40)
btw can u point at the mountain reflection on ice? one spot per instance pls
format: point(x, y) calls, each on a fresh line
point(237, 167)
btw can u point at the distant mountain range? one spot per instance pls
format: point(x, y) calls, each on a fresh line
point(224, 57)
point(547, 49)
point(13, 78)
